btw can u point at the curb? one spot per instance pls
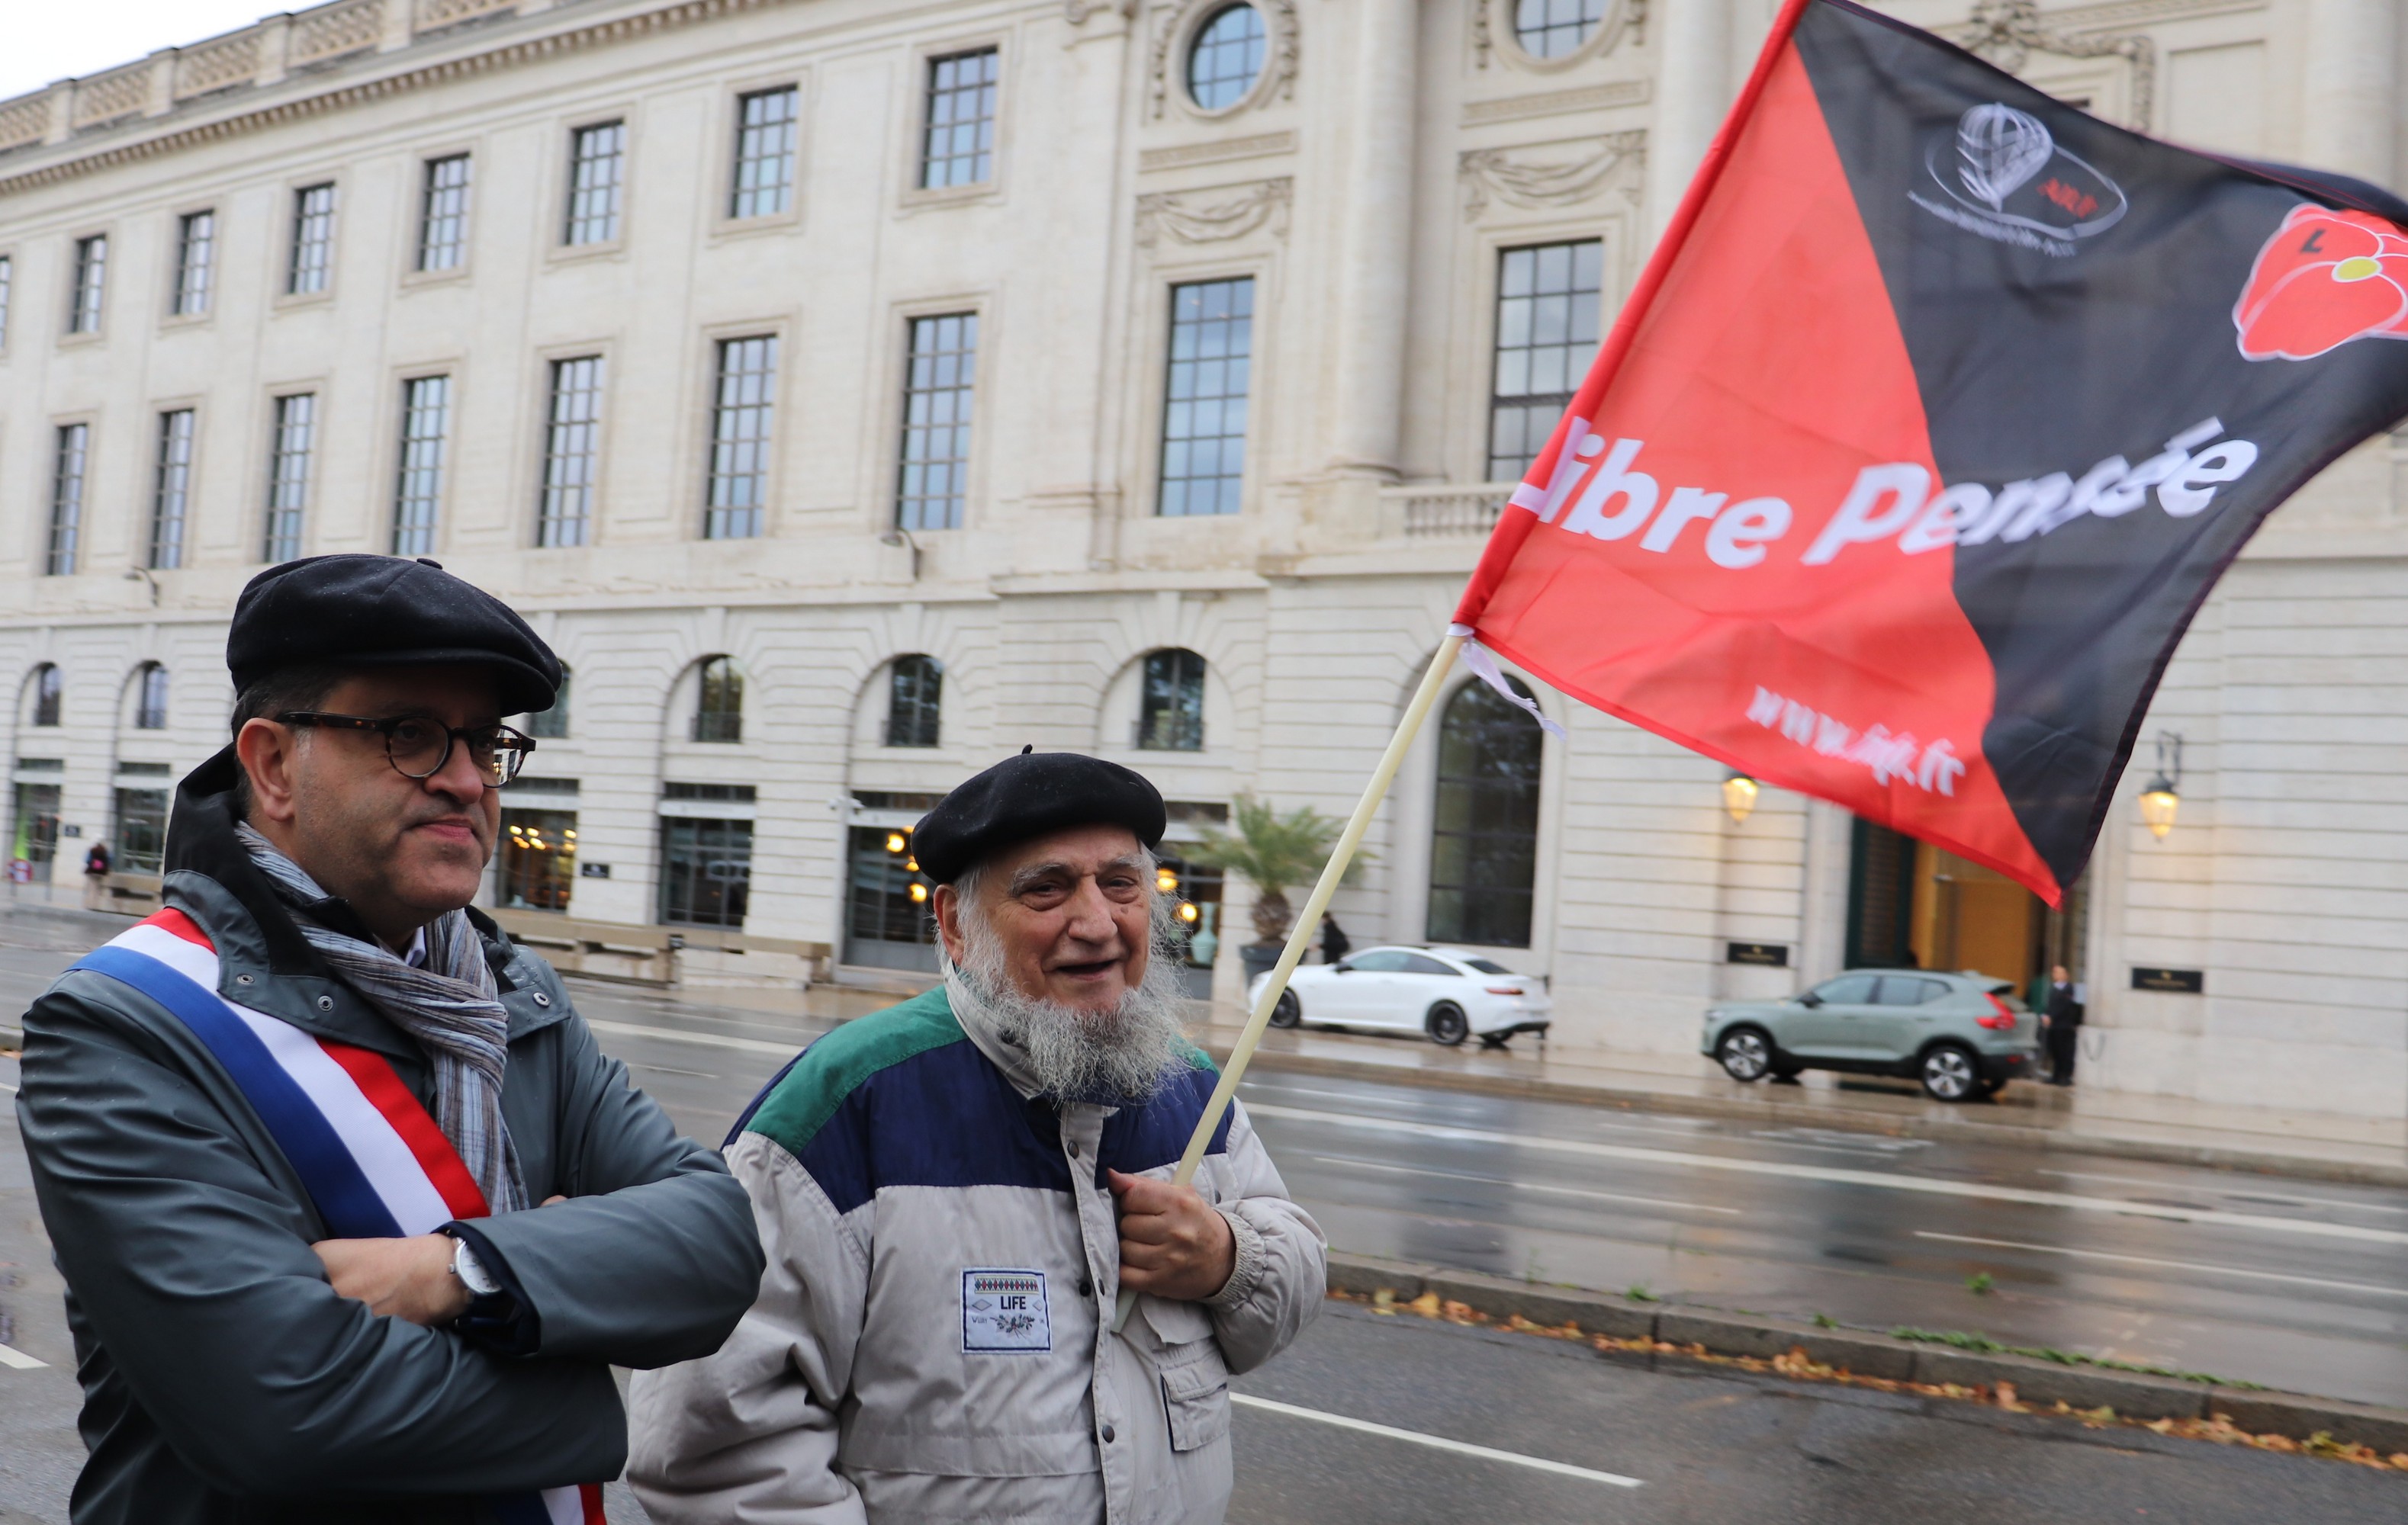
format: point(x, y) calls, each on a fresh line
point(1938, 1130)
point(1862, 1353)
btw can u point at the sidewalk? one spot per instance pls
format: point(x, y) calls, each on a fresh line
point(2315, 1146)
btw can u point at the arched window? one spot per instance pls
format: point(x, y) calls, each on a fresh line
point(150, 698)
point(1485, 840)
point(719, 703)
point(47, 688)
point(553, 721)
point(1170, 705)
point(1553, 28)
point(1226, 57)
point(915, 695)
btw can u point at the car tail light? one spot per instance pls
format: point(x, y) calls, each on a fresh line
point(2000, 1019)
point(1504, 990)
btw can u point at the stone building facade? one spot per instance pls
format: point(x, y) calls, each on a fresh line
point(854, 393)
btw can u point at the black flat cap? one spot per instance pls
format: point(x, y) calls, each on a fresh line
point(384, 611)
point(1024, 797)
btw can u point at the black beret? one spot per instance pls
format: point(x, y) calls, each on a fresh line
point(383, 611)
point(1028, 796)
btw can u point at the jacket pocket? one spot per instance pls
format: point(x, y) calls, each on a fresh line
point(1195, 1399)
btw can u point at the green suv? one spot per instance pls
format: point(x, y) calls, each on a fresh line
point(1962, 1035)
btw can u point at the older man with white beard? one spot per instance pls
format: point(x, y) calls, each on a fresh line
point(936, 1186)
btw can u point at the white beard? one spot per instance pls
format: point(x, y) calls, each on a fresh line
point(1126, 1054)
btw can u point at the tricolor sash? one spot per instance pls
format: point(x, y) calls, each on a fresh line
point(374, 1162)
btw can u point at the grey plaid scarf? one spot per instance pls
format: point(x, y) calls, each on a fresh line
point(451, 1006)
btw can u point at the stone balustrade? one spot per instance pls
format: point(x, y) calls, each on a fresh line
point(257, 55)
point(1441, 510)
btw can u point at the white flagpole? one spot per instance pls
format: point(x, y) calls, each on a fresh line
point(1299, 936)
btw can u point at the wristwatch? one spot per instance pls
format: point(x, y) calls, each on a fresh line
point(471, 1271)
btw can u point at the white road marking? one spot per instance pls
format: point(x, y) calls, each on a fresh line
point(1630, 1125)
point(1436, 1443)
point(7, 1087)
point(708, 1040)
point(2253, 1222)
point(2223, 1191)
point(1524, 1186)
point(11, 1356)
point(2172, 1265)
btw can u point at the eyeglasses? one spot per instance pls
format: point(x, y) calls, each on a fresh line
point(418, 747)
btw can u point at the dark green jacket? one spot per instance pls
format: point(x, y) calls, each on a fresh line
point(223, 1380)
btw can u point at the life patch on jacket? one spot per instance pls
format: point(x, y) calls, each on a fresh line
point(1004, 1311)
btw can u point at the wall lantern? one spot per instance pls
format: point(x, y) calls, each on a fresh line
point(1187, 912)
point(2160, 800)
point(1166, 880)
point(1739, 796)
point(895, 842)
point(919, 893)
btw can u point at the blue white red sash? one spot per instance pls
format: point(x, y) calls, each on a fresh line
point(375, 1164)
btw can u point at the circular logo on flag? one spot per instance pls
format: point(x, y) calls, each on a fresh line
point(2001, 174)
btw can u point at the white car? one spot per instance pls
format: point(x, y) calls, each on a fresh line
point(1443, 991)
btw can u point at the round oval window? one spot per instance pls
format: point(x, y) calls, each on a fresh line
point(1226, 57)
point(1551, 28)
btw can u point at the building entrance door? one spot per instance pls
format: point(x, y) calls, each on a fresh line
point(1911, 906)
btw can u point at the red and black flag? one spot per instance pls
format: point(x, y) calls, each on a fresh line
point(1930, 427)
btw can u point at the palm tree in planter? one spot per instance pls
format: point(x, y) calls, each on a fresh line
point(1274, 852)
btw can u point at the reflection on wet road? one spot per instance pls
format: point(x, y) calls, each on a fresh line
point(2248, 1277)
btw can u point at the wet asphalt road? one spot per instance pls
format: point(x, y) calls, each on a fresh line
point(2292, 1284)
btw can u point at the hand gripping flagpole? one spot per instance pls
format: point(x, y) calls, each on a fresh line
point(1299, 936)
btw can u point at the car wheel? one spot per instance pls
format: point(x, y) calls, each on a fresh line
point(1286, 1012)
point(1447, 1025)
point(1745, 1053)
point(1950, 1073)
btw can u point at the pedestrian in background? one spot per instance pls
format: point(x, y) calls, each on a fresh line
point(1333, 942)
point(290, 1136)
point(95, 877)
point(2061, 1025)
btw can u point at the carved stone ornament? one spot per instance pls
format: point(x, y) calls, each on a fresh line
point(1518, 180)
point(1494, 19)
point(1077, 12)
point(1215, 216)
point(1175, 26)
point(2008, 32)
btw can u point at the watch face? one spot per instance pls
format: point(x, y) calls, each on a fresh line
point(471, 1271)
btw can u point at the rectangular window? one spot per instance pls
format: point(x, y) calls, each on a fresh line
point(312, 264)
point(937, 395)
point(443, 214)
point(171, 488)
point(1204, 408)
point(141, 834)
point(887, 921)
point(706, 871)
point(196, 250)
point(597, 161)
point(1547, 300)
point(425, 419)
point(571, 446)
point(288, 474)
point(958, 147)
point(90, 279)
point(1171, 703)
point(739, 437)
point(67, 469)
point(764, 153)
point(8, 287)
point(34, 826)
point(538, 859)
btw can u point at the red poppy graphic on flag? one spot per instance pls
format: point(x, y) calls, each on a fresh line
point(1924, 435)
point(2325, 277)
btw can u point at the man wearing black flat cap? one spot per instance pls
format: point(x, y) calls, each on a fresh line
point(953, 1191)
point(354, 1215)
